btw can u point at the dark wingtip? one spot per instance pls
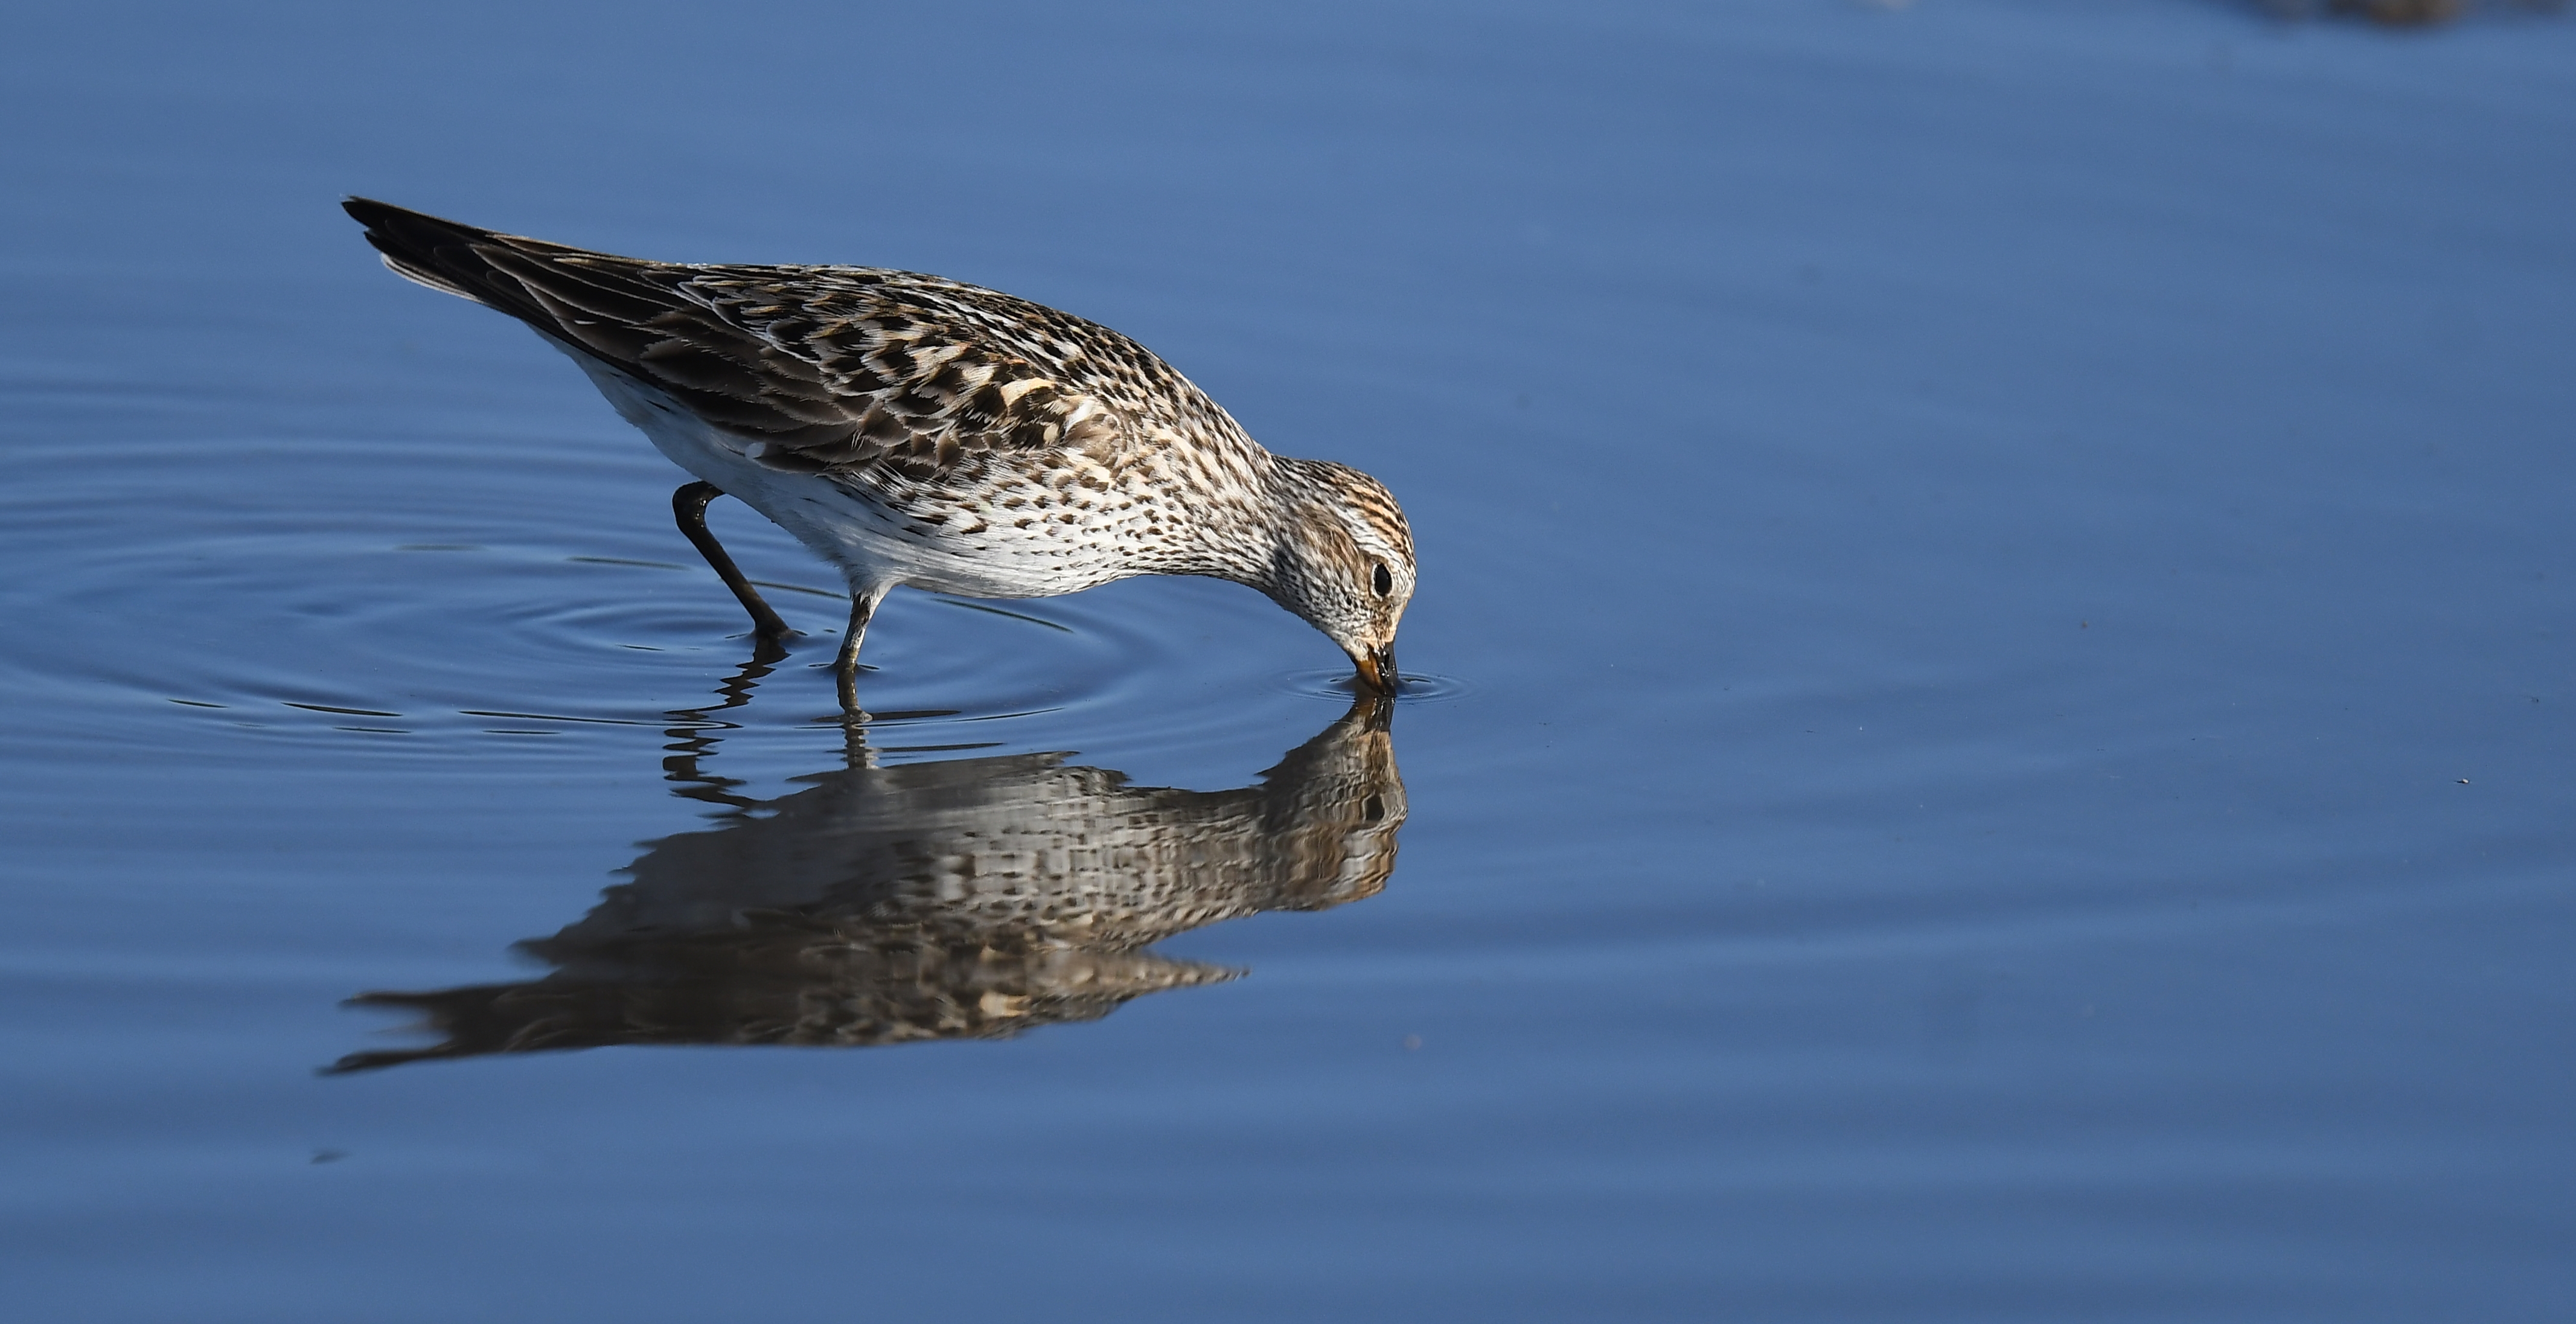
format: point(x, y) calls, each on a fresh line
point(400, 230)
point(432, 250)
point(377, 216)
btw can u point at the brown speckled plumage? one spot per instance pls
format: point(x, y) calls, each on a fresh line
point(920, 430)
point(965, 899)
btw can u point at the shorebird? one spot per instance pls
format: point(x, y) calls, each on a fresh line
point(972, 899)
point(916, 430)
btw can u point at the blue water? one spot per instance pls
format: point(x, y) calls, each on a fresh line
point(1997, 576)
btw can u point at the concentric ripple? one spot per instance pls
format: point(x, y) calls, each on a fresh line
point(437, 597)
point(1340, 685)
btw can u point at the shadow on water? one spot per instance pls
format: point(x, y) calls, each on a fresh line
point(964, 899)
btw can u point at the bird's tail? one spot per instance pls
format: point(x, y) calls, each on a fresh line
point(451, 256)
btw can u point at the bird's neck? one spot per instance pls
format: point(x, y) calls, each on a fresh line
point(1245, 526)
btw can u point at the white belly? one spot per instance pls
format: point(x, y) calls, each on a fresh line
point(874, 548)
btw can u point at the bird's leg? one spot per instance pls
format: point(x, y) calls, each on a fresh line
point(863, 604)
point(689, 506)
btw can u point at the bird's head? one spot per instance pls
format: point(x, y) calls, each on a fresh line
point(1343, 562)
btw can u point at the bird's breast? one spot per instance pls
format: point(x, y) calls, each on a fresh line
point(998, 526)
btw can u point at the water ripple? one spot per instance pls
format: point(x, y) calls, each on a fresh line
point(158, 596)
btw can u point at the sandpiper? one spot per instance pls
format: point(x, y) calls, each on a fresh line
point(916, 430)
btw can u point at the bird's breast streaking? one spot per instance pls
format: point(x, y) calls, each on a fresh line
point(917, 430)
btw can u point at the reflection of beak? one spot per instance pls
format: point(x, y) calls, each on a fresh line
point(1378, 670)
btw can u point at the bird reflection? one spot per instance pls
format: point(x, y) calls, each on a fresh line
point(967, 899)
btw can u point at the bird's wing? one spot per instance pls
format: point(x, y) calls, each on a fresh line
point(821, 369)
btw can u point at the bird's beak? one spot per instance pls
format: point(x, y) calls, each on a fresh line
point(1377, 669)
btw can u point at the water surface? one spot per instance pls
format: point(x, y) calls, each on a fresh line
point(1996, 577)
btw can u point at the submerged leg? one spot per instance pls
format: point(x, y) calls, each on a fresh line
point(863, 604)
point(689, 506)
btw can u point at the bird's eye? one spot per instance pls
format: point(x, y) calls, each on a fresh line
point(1380, 580)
